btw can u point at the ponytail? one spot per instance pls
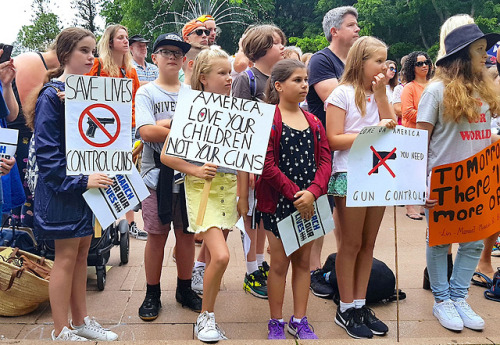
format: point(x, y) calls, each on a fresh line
point(272, 95)
point(282, 70)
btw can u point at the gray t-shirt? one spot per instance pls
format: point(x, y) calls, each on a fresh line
point(451, 141)
point(152, 103)
point(241, 85)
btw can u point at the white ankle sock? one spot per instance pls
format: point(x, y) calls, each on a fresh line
point(252, 266)
point(345, 306)
point(296, 320)
point(260, 259)
point(358, 303)
point(199, 264)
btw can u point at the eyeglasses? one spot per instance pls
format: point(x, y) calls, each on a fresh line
point(200, 32)
point(168, 53)
point(422, 63)
point(393, 69)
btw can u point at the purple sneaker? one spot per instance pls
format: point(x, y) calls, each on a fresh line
point(301, 330)
point(276, 329)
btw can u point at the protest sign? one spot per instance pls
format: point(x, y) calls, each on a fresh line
point(112, 203)
point(8, 142)
point(387, 167)
point(468, 195)
point(295, 231)
point(227, 131)
point(98, 125)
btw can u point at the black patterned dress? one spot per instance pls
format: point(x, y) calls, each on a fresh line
point(296, 161)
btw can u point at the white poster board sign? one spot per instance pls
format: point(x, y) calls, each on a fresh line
point(227, 131)
point(112, 203)
point(98, 125)
point(8, 142)
point(387, 167)
point(295, 231)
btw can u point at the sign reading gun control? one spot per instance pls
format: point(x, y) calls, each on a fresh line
point(98, 125)
point(223, 130)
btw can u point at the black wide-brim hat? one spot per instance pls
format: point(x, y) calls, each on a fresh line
point(463, 36)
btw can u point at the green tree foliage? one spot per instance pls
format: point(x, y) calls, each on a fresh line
point(43, 30)
point(87, 11)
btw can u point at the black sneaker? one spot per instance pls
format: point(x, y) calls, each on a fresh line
point(372, 322)
point(256, 284)
point(188, 298)
point(352, 321)
point(319, 285)
point(150, 307)
point(264, 268)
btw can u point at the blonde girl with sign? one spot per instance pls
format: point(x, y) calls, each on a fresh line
point(60, 212)
point(460, 101)
point(211, 73)
point(360, 100)
point(115, 61)
point(296, 172)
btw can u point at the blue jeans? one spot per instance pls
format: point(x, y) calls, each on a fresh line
point(463, 268)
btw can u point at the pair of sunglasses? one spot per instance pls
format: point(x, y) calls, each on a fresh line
point(422, 63)
point(200, 32)
point(393, 69)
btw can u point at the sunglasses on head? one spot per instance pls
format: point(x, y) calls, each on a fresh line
point(422, 63)
point(200, 32)
point(393, 69)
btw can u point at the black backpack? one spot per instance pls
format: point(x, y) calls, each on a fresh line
point(381, 286)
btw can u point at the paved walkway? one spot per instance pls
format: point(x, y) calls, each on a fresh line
point(244, 317)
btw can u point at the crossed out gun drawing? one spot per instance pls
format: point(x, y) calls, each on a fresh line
point(93, 126)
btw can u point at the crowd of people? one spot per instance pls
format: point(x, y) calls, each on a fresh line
point(322, 101)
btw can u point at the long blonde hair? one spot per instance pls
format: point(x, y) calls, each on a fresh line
point(203, 65)
point(361, 50)
point(106, 55)
point(463, 86)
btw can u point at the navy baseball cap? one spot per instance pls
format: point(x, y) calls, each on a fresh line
point(171, 39)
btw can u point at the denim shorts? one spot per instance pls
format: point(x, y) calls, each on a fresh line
point(337, 186)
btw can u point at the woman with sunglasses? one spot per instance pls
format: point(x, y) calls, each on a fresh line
point(417, 72)
point(392, 76)
point(195, 32)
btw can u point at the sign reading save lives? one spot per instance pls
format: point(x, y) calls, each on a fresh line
point(223, 130)
point(387, 167)
point(468, 195)
point(98, 125)
point(8, 142)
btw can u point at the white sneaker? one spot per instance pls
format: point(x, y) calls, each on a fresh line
point(67, 335)
point(197, 279)
point(469, 317)
point(92, 330)
point(447, 315)
point(206, 328)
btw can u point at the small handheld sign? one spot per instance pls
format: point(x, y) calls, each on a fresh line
point(8, 142)
point(98, 125)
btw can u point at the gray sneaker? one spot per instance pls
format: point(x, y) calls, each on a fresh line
point(197, 280)
point(137, 233)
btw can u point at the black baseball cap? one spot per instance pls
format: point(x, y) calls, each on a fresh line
point(137, 38)
point(171, 39)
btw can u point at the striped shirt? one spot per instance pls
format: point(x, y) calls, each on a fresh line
point(149, 73)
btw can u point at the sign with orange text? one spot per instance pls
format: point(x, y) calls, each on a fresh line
point(468, 194)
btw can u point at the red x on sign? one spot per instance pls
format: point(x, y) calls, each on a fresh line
point(382, 162)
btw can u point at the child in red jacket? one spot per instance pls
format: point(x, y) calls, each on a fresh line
point(296, 173)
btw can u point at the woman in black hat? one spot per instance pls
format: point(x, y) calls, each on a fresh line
point(456, 109)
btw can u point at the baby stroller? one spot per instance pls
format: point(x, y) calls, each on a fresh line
point(100, 248)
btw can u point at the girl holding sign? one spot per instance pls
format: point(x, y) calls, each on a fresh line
point(360, 100)
point(459, 101)
point(61, 213)
point(115, 61)
point(211, 73)
point(296, 172)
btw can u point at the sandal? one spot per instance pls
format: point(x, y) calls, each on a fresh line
point(414, 216)
point(482, 280)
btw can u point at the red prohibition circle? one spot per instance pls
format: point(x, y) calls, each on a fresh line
point(87, 112)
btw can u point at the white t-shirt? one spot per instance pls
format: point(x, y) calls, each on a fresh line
point(396, 94)
point(343, 97)
point(450, 141)
point(389, 92)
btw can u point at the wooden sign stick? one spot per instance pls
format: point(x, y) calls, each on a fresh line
point(203, 202)
point(97, 228)
point(397, 274)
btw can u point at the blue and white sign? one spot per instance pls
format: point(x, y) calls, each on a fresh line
point(8, 142)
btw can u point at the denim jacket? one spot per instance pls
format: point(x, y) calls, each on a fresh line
point(59, 204)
